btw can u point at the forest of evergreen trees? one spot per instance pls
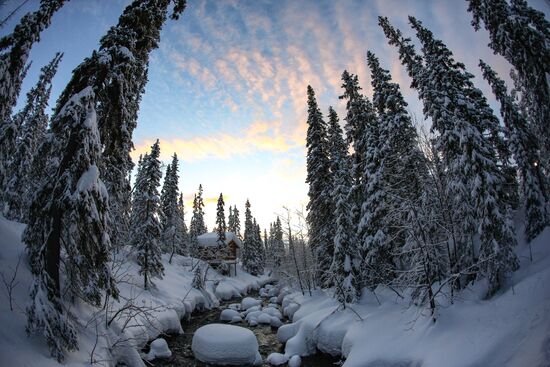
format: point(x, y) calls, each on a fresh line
point(389, 205)
point(431, 210)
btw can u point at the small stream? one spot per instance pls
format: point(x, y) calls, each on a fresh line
point(180, 344)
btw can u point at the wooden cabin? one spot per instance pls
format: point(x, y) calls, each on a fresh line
point(221, 256)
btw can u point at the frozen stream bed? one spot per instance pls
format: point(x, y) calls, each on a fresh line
point(180, 344)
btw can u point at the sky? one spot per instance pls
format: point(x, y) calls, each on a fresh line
point(227, 86)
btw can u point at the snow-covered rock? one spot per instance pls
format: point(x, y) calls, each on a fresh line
point(295, 361)
point(248, 302)
point(159, 349)
point(235, 306)
point(272, 312)
point(276, 322)
point(286, 332)
point(228, 315)
point(222, 344)
point(277, 359)
point(236, 319)
point(252, 309)
point(253, 315)
point(264, 318)
point(290, 310)
point(273, 300)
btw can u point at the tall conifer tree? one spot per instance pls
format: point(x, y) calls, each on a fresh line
point(525, 148)
point(318, 178)
point(33, 122)
point(345, 263)
point(147, 230)
point(521, 35)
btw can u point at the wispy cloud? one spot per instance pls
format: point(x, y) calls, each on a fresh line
point(261, 136)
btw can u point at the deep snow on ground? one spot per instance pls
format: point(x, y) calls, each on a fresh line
point(510, 329)
point(171, 299)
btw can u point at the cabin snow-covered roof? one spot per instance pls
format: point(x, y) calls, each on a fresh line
point(211, 239)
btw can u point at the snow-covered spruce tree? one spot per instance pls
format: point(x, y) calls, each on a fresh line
point(267, 250)
point(182, 235)
point(193, 232)
point(268, 242)
point(525, 148)
point(14, 53)
point(230, 219)
point(198, 226)
point(249, 255)
point(221, 227)
point(33, 122)
point(521, 35)
point(68, 227)
point(362, 132)
point(117, 72)
point(403, 164)
point(470, 158)
point(409, 221)
point(318, 178)
point(147, 230)
point(259, 247)
point(345, 262)
point(359, 116)
point(277, 245)
point(236, 228)
point(169, 207)
point(441, 180)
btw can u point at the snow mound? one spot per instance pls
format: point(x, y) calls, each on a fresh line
point(248, 302)
point(236, 319)
point(271, 311)
point(159, 349)
point(228, 315)
point(275, 322)
point(264, 318)
point(221, 344)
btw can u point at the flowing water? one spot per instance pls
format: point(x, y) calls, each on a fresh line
point(182, 355)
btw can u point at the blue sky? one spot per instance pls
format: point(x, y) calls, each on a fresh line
point(227, 85)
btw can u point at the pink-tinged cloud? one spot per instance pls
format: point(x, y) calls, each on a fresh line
point(261, 136)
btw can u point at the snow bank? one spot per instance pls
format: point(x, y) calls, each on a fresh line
point(511, 329)
point(226, 345)
point(168, 301)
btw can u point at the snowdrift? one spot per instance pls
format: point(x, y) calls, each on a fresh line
point(510, 329)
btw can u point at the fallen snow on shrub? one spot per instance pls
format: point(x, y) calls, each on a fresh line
point(223, 344)
point(159, 349)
